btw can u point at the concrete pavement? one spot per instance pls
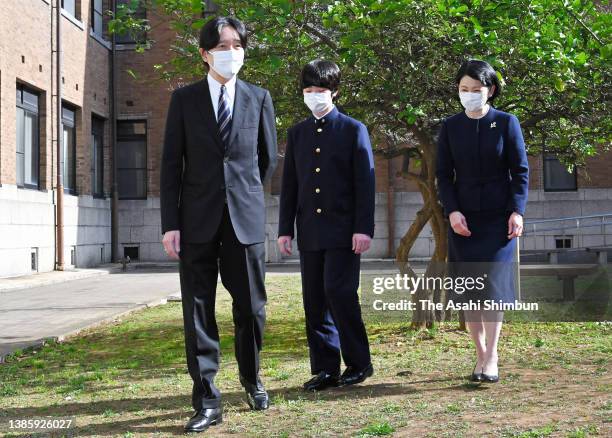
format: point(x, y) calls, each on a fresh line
point(30, 316)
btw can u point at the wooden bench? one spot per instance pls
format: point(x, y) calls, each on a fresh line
point(566, 273)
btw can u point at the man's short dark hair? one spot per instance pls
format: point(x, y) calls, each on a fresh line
point(481, 71)
point(210, 34)
point(321, 73)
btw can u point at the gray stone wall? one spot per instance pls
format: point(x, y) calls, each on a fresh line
point(140, 225)
point(27, 224)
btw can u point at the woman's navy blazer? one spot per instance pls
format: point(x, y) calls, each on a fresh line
point(482, 164)
point(328, 182)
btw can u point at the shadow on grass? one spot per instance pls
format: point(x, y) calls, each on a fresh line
point(176, 407)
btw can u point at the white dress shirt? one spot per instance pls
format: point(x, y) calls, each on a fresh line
point(215, 90)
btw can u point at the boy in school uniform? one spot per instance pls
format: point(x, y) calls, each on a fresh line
point(328, 191)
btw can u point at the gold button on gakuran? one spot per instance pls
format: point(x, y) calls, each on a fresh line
point(318, 169)
point(318, 210)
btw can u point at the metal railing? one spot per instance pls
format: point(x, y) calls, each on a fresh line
point(565, 224)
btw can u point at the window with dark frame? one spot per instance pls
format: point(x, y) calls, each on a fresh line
point(68, 158)
point(129, 37)
point(563, 242)
point(97, 15)
point(132, 159)
point(28, 138)
point(97, 157)
point(556, 176)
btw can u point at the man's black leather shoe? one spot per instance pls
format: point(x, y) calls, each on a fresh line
point(203, 419)
point(321, 381)
point(257, 397)
point(351, 376)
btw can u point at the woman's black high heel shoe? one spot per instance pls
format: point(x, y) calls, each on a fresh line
point(487, 378)
point(490, 378)
point(476, 377)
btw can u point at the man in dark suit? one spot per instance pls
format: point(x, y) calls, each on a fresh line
point(219, 150)
point(328, 189)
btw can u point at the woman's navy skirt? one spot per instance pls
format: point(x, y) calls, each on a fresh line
point(488, 254)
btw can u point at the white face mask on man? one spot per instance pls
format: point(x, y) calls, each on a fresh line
point(227, 63)
point(474, 101)
point(318, 102)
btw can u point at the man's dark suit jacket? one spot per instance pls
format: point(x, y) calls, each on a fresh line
point(197, 171)
point(482, 164)
point(328, 185)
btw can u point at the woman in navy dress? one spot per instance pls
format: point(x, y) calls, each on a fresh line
point(482, 175)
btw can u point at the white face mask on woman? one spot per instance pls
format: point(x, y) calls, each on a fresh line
point(474, 101)
point(318, 102)
point(228, 62)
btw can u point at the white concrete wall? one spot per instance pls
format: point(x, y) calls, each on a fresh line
point(27, 218)
point(140, 225)
point(541, 205)
point(27, 221)
point(140, 222)
point(87, 225)
point(584, 202)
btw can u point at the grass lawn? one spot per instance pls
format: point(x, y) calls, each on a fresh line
point(129, 379)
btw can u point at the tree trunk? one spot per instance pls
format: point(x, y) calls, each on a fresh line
point(431, 213)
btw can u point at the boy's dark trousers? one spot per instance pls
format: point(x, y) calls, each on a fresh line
point(334, 327)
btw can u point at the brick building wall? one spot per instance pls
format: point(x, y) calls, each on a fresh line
point(27, 215)
point(27, 38)
point(143, 96)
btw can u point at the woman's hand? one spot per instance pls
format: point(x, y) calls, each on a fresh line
point(459, 224)
point(515, 225)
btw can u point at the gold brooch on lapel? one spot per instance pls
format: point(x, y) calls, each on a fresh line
point(493, 125)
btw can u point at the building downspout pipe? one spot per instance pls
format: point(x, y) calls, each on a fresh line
point(113, 122)
point(58, 140)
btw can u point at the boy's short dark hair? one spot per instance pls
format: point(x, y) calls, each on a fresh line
point(321, 73)
point(481, 71)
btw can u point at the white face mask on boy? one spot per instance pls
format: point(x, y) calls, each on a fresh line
point(318, 102)
point(474, 101)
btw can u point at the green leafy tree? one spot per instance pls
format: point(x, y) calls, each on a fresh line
point(399, 59)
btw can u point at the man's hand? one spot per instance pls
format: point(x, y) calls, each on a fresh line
point(361, 243)
point(459, 224)
point(172, 243)
point(515, 225)
point(284, 245)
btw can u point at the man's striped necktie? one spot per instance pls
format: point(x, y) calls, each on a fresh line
point(224, 118)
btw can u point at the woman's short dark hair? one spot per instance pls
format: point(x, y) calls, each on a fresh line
point(481, 71)
point(321, 73)
point(210, 34)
